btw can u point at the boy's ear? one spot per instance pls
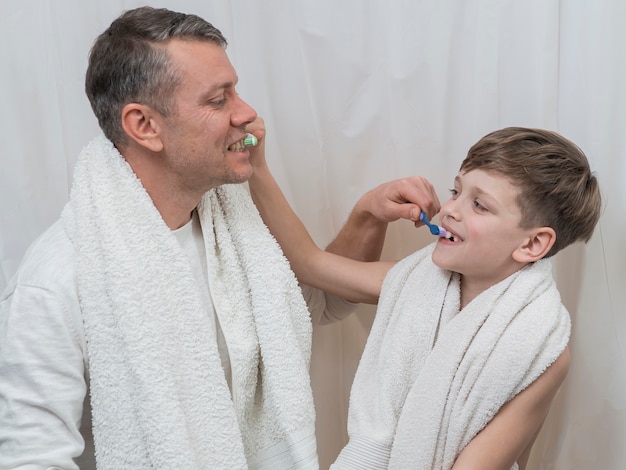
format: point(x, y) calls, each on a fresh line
point(140, 124)
point(537, 245)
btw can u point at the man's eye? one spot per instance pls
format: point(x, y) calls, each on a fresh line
point(218, 101)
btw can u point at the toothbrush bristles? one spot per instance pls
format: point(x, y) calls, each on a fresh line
point(250, 140)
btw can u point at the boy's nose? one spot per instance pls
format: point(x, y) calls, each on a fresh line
point(449, 209)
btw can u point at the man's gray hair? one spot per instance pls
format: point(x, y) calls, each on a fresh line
point(129, 63)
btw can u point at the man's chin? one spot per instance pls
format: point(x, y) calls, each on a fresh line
point(242, 176)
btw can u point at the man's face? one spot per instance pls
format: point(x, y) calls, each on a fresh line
point(209, 118)
point(484, 217)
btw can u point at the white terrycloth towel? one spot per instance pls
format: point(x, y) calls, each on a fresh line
point(158, 391)
point(431, 378)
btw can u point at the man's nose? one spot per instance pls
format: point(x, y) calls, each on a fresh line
point(243, 114)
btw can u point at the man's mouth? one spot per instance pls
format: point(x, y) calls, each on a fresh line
point(237, 146)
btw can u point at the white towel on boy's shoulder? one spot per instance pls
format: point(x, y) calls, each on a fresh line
point(158, 392)
point(432, 377)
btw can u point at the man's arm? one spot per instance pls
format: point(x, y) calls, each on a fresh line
point(510, 435)
point(42, 386)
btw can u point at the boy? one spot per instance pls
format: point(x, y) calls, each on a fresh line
point(469, 344)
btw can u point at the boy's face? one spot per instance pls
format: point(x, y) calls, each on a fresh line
point(484, 217)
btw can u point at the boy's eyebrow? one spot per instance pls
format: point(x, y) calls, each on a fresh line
point(477, 190)
point(481, 192)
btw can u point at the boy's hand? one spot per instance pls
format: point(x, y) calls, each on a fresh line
point(257, 152)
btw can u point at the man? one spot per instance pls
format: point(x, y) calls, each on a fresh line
point(158, 304)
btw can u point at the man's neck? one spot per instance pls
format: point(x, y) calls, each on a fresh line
point(174, 214)
point(171, 200)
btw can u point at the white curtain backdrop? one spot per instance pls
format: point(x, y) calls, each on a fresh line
point(355, 93)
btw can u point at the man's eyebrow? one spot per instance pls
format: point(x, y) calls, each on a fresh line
point(217, 87)
point(214, 92)
point(221, 86)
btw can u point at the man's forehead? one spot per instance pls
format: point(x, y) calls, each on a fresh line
point(203, 61)
point(198, 53)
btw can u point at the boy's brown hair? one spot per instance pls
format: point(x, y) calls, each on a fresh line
point(556, 186)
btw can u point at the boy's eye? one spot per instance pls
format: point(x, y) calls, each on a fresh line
point(479, 206)
point(454, 192)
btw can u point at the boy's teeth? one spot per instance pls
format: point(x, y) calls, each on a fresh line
point(449, 236)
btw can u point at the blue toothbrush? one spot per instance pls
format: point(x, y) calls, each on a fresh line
point(434, 229)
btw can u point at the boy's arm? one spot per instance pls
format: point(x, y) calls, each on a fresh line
point(511, 433)
point(351, 279)
point(363, 235)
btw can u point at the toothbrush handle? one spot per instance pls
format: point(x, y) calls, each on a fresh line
point(434, 229)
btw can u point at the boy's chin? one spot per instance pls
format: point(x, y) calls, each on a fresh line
point(440, 261)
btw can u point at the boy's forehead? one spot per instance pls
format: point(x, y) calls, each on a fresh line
point(487, 182)
point(484, 174)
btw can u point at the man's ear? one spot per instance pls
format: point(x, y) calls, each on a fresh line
point(537, 245)
point(141, 125)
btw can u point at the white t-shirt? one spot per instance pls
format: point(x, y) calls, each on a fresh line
point(190, 238)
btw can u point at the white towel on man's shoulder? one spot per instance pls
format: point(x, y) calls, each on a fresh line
point(432, 377)
point(158, 391)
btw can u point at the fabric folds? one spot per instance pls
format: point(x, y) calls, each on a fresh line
point(432, 377)
point(158, 393)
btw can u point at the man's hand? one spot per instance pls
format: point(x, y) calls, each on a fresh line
point(363, 236)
